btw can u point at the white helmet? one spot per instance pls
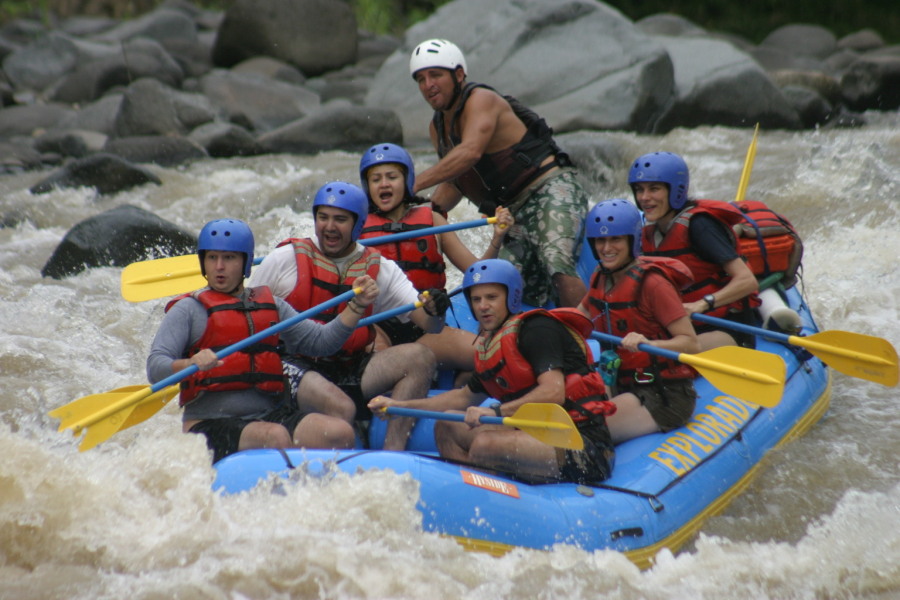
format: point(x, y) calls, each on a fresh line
point(436, 53)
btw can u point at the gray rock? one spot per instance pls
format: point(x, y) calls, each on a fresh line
point(135, 59)
point(802, 40)
point(825, 85)
point(149, 107)
point(225, 139)
point(71, 142)
point(719, 85)
point(17, 157)
point(271, 68)
point(162, 150)
point(31, 119)
point(99, 116)
point(578, 63)
point(161, 25)
point(872, 82)
point(107, 173)
point(41, 63)
point(861, 41)
point(811, 107)
point(256, 102)
point(117, 237)
point(314, 35)
point(337, 126)
point(668, 24)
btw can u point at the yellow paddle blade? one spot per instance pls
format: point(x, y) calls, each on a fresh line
point(748, 167)
point(548, 423)
point(105, 428)
point(854, 354)
point(749, 375)
point(90, 410)
point(151, 279)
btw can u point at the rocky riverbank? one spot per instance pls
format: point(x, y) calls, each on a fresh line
point(181, 82)
point(94, 101)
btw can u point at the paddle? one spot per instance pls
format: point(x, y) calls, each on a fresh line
point(105, 414)
point(854, 354)
point(152, 279)
point(750, 375)
point(387, 314)
point(544, 421)
point(748, 166)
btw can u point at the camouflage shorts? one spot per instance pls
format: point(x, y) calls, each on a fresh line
point(546, 238)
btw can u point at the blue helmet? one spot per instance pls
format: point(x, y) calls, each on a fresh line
point(380, 154)
point(615, 217)
point(347, 196)
point(665, 167)
point(496, 270)
point(227, 235)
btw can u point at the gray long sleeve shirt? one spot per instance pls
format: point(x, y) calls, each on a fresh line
point(185, 323)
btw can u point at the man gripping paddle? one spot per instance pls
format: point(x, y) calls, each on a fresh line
point(240, 402)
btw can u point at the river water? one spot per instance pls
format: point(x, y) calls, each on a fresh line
point(136, 517)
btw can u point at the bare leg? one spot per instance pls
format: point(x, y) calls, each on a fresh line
point(453, 440)
point(513, 451)
point(322, 431)
point(317, 394)
point(570, 289)
point(453, 348)
point(261, 434)
point(630, 420)
point(714, 339)
point(404, 372)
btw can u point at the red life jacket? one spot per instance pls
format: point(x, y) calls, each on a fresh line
point(616, 312)
point(230, 320)
point(506, 375)
point(708, 277)
point(420, 258)
point(318, 281)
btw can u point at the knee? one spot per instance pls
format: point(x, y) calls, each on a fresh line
point(275, 436)
point(323, 431)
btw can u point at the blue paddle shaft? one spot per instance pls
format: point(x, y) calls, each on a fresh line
point(256, 337)
point(399, 411)
point(774, 335)
point(416, 233)
point(597, 335)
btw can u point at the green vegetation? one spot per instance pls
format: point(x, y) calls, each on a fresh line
point(751, 20)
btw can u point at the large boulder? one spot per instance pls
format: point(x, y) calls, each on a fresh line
point(117, 237)
point(873, 82)
point(107, 173)
point(139, 58)
point(40, 63)
point(338, 126)
point(717, 84)
point(162, 150)
point(314, 35)
point(579, 63)
point(257, 102)
point(149, 107)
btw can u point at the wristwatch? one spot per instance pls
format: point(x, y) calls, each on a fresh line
point(710, 301)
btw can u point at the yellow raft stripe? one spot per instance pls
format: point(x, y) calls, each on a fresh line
point(643, 557)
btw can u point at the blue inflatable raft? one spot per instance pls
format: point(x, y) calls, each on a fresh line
point(662, 489)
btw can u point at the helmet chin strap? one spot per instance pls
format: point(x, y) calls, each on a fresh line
point(457, 90)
